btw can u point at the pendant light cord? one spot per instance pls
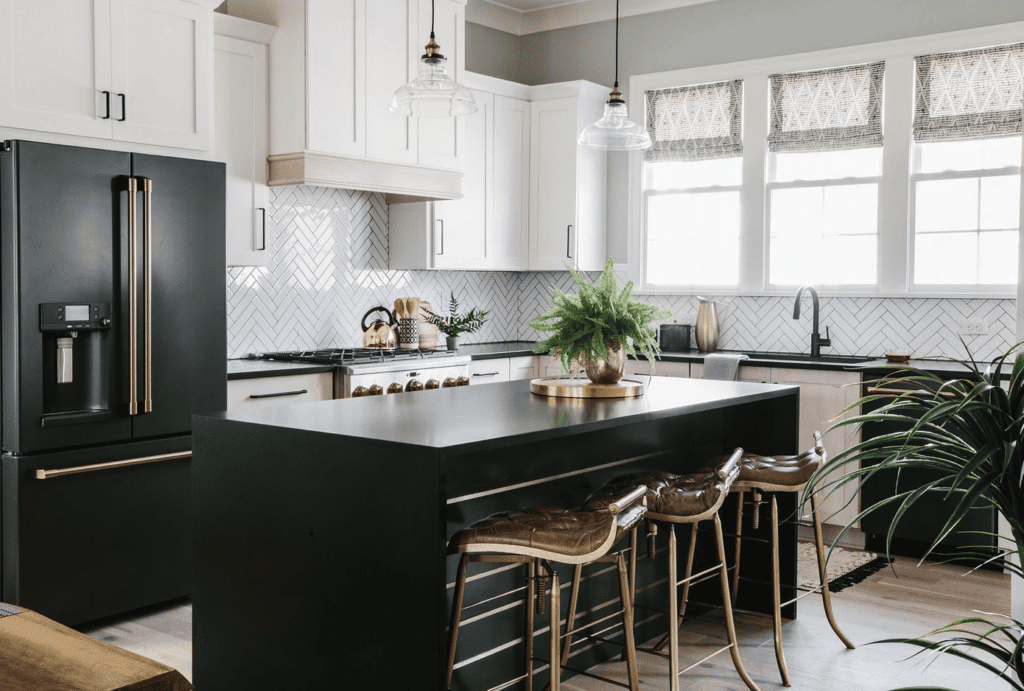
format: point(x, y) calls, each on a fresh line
point(432, 29)
point(616, 43)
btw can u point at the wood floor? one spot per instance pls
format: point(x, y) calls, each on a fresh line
point(910, 602)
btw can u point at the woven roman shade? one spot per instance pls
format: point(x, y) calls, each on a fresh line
point(695, 123)
point(836, 108)
point(971, 94)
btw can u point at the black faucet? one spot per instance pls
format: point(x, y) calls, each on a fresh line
point(816, 340)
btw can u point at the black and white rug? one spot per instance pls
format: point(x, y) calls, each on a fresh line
point(845, 567)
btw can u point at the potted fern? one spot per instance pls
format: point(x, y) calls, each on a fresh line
point(969, 433)
point(455, 324)
point(600, 325)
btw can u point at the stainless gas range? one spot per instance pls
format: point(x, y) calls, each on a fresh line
point(372, 372)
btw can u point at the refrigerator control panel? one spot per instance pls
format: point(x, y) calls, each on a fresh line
point(74, 316)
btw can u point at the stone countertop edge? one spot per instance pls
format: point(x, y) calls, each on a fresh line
point(255, 369)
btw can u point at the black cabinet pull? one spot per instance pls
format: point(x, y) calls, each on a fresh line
point(106, 98)
point(263, 245)
point(279, 393)
point(124, 108)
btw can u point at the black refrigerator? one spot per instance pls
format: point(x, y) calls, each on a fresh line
point(112, 283)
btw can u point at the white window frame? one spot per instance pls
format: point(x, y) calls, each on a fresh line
point(894, 231)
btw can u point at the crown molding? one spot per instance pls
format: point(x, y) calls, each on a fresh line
point(498, 16)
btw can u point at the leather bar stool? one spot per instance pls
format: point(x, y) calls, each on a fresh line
point(783, 474)
point(539, 537)
point(685, 499)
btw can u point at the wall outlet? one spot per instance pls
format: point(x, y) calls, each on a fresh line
point(974, 326)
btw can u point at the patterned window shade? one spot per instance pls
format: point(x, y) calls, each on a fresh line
point(972, 94)
point(837, 108)
point(695, 123)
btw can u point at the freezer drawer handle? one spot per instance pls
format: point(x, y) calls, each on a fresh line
point(919, 392)
point(50, 474)
point(279, 393)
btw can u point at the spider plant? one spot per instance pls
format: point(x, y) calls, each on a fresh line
point(968, 433)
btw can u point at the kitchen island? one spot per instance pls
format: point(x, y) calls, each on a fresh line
point(320, 528)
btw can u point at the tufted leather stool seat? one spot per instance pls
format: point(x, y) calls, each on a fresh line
point(673, 499)
point(782, 474)
point(563, 535)
point(537, 537)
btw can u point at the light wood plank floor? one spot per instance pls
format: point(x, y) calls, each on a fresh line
point(910, 602)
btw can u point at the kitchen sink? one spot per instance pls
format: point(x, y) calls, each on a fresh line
point(805, 357)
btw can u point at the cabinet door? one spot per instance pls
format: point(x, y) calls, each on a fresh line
point(55, 66)
point(489, 371)
point(523, 367)
point(241, 143)
point(823, 395)
point(552, 184)
point(393, 47)
point(161, 68)
point(510, 184)
point(460, 225)
point(440, 144)
point(336, 74)
point(282, 390)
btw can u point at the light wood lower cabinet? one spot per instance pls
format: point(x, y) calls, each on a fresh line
point(290, 388)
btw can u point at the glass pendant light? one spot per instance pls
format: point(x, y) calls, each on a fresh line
point(615, 131)
point(433, 93)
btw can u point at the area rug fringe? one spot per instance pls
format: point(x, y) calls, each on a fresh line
point(859, 574)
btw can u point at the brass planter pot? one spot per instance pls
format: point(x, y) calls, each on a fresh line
point(606, 371)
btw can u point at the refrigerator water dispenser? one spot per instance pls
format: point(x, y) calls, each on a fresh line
point(77, 352)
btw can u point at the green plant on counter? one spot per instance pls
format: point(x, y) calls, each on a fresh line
point(596, 317)
point(455, 323)
point(968, 433)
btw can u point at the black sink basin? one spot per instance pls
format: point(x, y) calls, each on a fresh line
point(805, 357)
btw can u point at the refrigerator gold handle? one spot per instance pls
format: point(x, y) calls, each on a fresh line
point(147, 239)
point(133, 307)
point(60, 472)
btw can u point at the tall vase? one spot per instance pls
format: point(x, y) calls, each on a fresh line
point(707, 325)
point(606, 370)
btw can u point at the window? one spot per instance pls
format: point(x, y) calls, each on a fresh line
point(693, 176)
point(965, 184)
point(825, 167)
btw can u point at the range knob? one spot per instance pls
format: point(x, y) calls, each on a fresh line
point(449, 382)
point(360, 391)
point(396, 388)
point(462, 381)
point(376, 390)
point(414, 385)
point(433, 384)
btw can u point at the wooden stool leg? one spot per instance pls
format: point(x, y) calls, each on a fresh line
point(730, 626)
point(570, 619)
point(627, 622)
point(780, 656)
point(681, 608)
point(531, 594)
point(736, 556)
point(456, 617)
point(823, 575)
point(673, 612)
point(556, 612)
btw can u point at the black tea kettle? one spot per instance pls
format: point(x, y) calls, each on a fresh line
point(380, 334)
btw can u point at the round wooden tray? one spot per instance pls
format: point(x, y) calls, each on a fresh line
point(584, 388)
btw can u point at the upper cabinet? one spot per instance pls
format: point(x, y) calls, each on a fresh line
point(567, 180)
point(440, 141)
point(130, 70)
point(487, 228)
point(334, 65)
point(240, 121)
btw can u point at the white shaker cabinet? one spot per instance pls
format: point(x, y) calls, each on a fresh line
point(567, 180)
point(394, 45)
point(511, 183)
point(240, 138)
point(130, 70)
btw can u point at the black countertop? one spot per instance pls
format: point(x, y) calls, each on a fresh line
point(465, 417)
point(254, 369)
point(488, 351)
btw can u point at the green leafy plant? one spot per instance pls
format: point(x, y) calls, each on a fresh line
point(968, 433)
point(455, 323)
point(596, 317)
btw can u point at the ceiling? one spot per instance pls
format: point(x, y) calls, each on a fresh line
point(531, 16)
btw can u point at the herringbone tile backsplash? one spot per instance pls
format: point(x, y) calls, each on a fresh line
point(329, 265)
